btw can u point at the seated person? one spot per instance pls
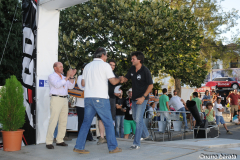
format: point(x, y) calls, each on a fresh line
point(210, 114)
point(153, 113)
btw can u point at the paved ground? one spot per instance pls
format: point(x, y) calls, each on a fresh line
point(183, 149)
point(212, 148)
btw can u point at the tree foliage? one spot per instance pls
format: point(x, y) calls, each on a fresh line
point(212, 22)
point(12, 59)
point(12, 110)
point(169, 38)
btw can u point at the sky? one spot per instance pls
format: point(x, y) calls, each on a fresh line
point(228, 5)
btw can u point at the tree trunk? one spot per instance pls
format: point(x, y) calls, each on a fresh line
point(178, 86)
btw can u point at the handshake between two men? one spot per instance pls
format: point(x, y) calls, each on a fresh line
point(122, 79)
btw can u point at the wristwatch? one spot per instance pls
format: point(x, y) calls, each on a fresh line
point(144, 96)
point(71, 78)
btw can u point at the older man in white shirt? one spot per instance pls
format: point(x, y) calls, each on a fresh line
point(95, 79)
point(59, 86)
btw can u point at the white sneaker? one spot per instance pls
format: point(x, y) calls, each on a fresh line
point(134, 147)
point(144, 138)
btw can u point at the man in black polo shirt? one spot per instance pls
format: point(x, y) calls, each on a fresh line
point(142, 85)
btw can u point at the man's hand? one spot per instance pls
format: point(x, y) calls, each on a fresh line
point(74, 71)
point(123, 79)
point(69, 73)
point(118, 106)
point(124, 110)
point(140, 100)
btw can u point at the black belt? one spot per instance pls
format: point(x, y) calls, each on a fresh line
point(59, 96)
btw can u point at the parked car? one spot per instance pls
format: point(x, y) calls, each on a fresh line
point(224, 82)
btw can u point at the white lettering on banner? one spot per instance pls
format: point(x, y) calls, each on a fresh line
point(28, 68)
point(34, 5)
point(203, 89)
point(27, 72)
point(28, 35)
point(223, 84)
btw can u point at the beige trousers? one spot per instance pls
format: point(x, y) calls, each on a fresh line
point(59, 114)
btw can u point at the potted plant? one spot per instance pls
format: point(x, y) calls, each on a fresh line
point(12, 114)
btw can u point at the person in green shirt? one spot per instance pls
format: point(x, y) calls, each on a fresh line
point(198, 101)
point(210, 114)
point(163, 106)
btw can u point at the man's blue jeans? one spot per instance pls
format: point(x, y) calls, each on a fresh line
point(141, 129)
point(102, 108)
point(119, 121)
point(184, 116)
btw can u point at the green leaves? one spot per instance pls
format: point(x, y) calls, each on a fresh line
point(169, 38)
point(12, 59)
point(12, 110)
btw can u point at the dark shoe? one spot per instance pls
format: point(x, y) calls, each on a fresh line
point(91, 140)
point(116, 150)
point(67, 139)
point(230, 120)
point(81, 151)
point(62, 144)
point(134, 147)
point(54, 140)
point(50, 146)
point(101, 141)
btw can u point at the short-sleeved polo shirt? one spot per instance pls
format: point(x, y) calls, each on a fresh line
point(198, 103)
point(96, 75)
point(162, 102)
point(140, 81)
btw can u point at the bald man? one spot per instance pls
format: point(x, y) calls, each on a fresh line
point(59, 86)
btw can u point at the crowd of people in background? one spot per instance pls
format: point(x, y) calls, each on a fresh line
point(210, 106)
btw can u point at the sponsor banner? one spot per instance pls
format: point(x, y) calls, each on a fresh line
point(29, 8)
point(203, 89)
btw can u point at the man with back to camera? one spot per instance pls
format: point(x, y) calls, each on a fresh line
point(112, 99)
point(142, 85)
point(59, 86)
point(95, 79)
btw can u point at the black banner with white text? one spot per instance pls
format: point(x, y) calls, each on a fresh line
point(29, 8)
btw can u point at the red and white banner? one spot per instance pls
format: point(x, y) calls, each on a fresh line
point(203, 89)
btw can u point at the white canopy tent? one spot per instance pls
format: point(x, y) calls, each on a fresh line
point(48, 13)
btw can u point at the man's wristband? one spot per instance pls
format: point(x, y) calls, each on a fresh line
point(71, 78)
point(144, 96)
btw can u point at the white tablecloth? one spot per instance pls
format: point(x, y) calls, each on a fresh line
point(72, 122)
